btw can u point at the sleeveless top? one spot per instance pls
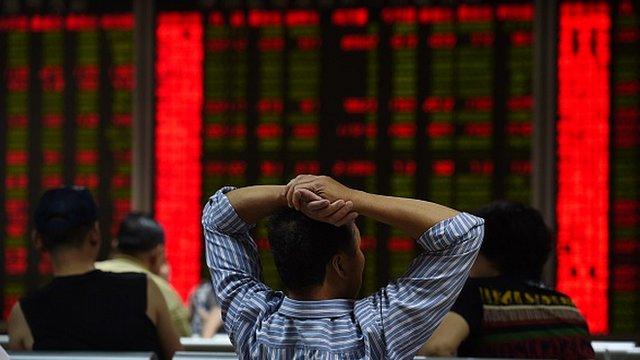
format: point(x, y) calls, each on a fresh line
point(515, 318)
point(95, 311)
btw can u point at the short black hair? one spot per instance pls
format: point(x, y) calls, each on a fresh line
point(516, 239)
point(64, 216)
point(302, 247)
point(139, 233)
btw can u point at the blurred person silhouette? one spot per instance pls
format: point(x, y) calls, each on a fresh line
point(504, 309)
point(205, 312)
point(83, 308)
point(139, 248)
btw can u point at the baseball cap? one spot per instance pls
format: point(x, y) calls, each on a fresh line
point(64, 209)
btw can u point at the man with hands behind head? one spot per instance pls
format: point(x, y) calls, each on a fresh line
point(316, 247)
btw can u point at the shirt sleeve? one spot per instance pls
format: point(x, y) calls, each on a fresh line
point(404, 314)
point(232, 258)
point(469, 306)
point(180, 317)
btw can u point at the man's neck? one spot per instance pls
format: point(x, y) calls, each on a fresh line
point(71, 262)
point(314, 293)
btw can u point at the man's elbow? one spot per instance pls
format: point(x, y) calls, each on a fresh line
point(440, 349)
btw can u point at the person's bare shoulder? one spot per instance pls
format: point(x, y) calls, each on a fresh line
point(20, 337)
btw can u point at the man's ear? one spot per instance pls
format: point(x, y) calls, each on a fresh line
point(38, 242)
point(157, 259)
point(338, 265)
point(94, 235)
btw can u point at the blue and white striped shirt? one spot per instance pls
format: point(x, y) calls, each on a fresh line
point(391, 323)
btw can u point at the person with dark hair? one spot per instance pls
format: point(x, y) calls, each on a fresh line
point(302, 247)
point(206, 315)
point(504, 310)
point(316, 247)
point(83, 308)
point(140, 249)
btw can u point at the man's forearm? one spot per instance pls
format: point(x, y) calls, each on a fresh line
point(254, 203)
point(410, 215)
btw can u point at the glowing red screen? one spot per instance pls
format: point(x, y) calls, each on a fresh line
point(583, 158)
point(179, 101)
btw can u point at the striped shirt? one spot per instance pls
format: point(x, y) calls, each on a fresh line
point(392, 323)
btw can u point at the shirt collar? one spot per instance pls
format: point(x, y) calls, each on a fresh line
point(316, 309)
point(130, 260)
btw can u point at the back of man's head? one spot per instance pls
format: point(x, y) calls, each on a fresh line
point(139, 233)
point(302, 247)
point(516, 239)
point(64, 216)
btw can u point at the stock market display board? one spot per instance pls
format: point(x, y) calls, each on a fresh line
point(598, 162)
point(625, 168)
point(428, 99)
point(66, 91)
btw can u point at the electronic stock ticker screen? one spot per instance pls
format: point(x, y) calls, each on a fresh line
point(429, 100)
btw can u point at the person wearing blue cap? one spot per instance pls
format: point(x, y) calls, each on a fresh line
point(83, 308)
